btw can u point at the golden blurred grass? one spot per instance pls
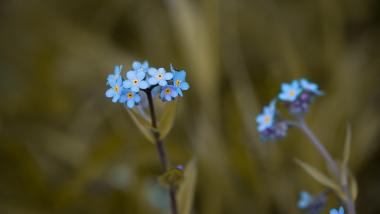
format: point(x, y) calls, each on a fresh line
point(66, 149)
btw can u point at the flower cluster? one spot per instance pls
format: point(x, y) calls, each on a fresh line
point(142, 78)
point(312, 204)
point(296, 97)
point(269, 125)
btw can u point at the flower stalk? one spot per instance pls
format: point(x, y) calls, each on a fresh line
point(350, 206)
point(161, 150)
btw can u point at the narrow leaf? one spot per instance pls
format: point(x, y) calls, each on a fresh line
point(353, 187)
point(320, 177)
point(166, 121)
point(142, 124)
point(185, 195)
point(346, 156)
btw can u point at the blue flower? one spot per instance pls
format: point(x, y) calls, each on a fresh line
point(112, 78)
point(138, 66)
point(290, 91)
point(266, 119)
point(135, 80)
point(115, 89)
point(130, 98)
point(309, 86)
point(305, 200)
point(179, 80)
point(168, 93)
point(159, 76)
point(336, 211)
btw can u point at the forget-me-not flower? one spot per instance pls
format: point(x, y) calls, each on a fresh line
point(179, 80)
point(305, 200)
point(111, 79)
point(135, 80)
point(309, 86)
point(336, 211)
point(115, 90)
point(266, 119)
point(159, 76)
point(168, 93)
point(290, 91)
point(130, 98)
point(138, 66)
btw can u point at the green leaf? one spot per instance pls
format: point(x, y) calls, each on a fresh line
point(353, 187)
point(185, 195)
point(346, 156)
point(171, 178)
point(320, 177)
point(143, 124)
point(165, 123)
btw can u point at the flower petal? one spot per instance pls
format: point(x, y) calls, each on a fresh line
point(110, 92)
point(143, 84)
point(162, 83)
point(185, 86)
point(168, 76)
point(131, 75)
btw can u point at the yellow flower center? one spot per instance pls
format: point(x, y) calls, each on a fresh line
point(168, 91)
point(159, 76)
point(116, 88)
point(267, 119)
point(178, 82)
point(292, 93)
point(135, 81)
point(129, 95)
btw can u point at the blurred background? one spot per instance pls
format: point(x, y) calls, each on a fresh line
point(65, 148)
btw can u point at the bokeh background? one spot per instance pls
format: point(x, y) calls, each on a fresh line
point(65, 148)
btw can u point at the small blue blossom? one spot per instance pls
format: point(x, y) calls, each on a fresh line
point(309, 86)
point(168, 93)
point(138, 66)
point(115, 90)
point(112, 78)
point(336, 211)
point(129, 98)
point(159, 76)
point(305, 200)
point(266, 119)
point(135, 80)
point(179, 80)
point(290, 91)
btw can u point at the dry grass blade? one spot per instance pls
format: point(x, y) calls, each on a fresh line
point(346, 156)
point(186, 191)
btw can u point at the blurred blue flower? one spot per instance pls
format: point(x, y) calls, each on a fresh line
point(129, 98)
point(159, 76)
point(309, 86)
point(138, 66)
point(135, 80)
point(115, 90)
point(305, 200)
point(266, 119)
point(336, 211)
point(290, 91)
point(168, 93)
point(179, 80)
point(112, 78)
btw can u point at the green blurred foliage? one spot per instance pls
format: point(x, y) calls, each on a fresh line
point(65, 148)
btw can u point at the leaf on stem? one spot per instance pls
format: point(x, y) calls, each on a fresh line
point(353, 187)
point(142, 124)
point(165, 122)
point(185, 195)
point(320, 177)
